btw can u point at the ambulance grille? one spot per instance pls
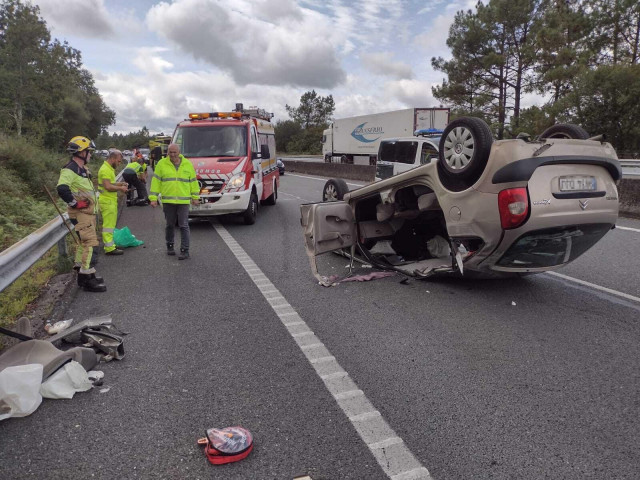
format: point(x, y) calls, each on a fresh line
point(213, 184)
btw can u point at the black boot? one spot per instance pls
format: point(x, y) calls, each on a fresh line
point(184, 254)
point(90, 283)
point(170, 250)
point(98, 279)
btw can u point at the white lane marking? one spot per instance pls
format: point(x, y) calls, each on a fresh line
point(325, 179)
point(395, 459)
point(296, 197)
point(618, 227)
point(597, 287)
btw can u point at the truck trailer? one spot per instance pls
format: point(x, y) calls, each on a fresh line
point(347, 138)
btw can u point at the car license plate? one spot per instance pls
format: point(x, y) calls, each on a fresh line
point(577, 183)
point(202, 206)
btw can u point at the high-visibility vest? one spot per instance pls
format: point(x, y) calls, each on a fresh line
point(75, 179)
point(106, 172)
point(174, 185)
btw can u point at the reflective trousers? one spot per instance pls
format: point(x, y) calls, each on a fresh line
point(85, 226)
point(109, 213)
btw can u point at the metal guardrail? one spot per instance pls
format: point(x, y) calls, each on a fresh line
point(17, 259)
point(630, 168)
point(20, 256)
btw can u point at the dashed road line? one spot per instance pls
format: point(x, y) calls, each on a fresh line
point(393, 456)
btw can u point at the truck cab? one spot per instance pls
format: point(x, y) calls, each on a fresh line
point(233, 154)
point(397, 155)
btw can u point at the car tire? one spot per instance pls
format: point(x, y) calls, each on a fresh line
point(271, 199)
point(334, 190)
point(327, 159)
point(565, 130)
point(251, 212)
point(463, 152)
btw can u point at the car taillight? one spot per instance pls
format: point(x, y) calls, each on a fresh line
point(513, 205)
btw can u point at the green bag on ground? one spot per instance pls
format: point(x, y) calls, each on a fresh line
point(124, 238)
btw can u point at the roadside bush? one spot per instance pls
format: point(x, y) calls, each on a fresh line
point(31, 164)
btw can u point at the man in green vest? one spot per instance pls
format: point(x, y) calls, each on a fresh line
point(109, 188)
point(174, 180)
point(76, 189)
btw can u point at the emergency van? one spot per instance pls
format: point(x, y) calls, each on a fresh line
point(233, 154)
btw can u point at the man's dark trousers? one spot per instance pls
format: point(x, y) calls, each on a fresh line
point(179, 213)
point(132, 179)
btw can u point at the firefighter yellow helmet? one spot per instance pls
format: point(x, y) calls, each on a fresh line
point(80, 144)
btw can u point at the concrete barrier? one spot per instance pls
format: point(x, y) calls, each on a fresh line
point(364, 173)
point(628, 189)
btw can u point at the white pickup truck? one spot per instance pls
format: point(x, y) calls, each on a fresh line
point(397, 155)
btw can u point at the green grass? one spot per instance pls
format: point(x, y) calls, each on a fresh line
point(25, 207)
point(15, 299)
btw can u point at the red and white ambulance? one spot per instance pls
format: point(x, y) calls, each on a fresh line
point(234, 155)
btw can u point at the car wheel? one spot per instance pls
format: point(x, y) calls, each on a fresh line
point(334, 190)
point(464, 151)
point(251, 212)
point(565, 130)
point(327, 159)
point(343, 159)
point(271, 199)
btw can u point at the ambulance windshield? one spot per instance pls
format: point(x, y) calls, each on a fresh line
point(212, 141)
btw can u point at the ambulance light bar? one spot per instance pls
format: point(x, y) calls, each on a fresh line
point(203, 116)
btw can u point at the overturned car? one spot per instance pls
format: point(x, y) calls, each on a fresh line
point(485, 208)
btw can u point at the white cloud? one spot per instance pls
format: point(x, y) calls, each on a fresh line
point(158, 97)
point(84, 18)
point(252, 49)
point(382, 64)
point(413, 93)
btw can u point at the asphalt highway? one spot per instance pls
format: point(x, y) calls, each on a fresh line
point(444, 378)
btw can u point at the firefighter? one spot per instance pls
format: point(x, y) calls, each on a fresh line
point(109, 188)
point(76, 189)
point(174, 179)
point(135, 176)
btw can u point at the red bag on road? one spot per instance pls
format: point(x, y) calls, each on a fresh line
point(226, 445)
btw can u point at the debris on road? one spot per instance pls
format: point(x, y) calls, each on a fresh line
point(226, 445)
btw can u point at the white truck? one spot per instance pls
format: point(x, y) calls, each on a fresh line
point(354, 139)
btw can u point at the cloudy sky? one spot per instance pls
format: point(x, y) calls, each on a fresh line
point(155, 61)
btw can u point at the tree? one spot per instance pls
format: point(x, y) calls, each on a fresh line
point(285, 131)
point(493, 54)
point(46, 93)
point(607, 100)
point(314, 110)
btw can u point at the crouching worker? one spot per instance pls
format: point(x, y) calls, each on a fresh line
point(109, 188)
point(135, 176)
point(76, 189)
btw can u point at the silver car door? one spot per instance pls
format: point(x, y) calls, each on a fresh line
point(327, 227)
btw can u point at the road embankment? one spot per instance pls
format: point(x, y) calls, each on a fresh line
point(628, 189)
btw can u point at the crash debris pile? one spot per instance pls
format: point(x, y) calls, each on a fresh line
point(35, 369)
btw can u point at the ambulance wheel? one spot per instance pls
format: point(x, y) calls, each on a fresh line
point(251, 212)
point(271, 199)
point(334, 190)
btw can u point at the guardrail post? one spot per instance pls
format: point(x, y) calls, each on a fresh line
point(64, 262)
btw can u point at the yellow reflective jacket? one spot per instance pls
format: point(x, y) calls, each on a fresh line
point(107, 172)
point(174, 185)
